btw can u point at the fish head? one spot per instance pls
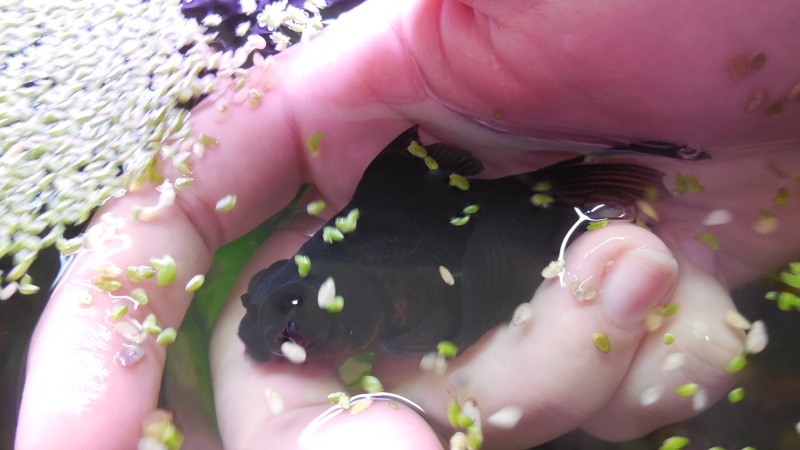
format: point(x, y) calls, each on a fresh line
point(282, 307)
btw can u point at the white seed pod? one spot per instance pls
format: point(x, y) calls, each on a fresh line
point(447, 277)
point(459, 441)
point(293, 352)
point(699, 400)
point(582, 292)
point(718, 217)
point(470, 409)
point(647, 209)
point(8, 290)
point(522, 314)
point(651, 395)
point(360, 405)
point(274, 401)
point(130, 331)
point(327, 292)
point(553, 269)
point(757, 338)
point(506, 419)
point(673, 361)
point(736, 320)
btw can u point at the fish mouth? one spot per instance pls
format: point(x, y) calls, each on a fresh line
point(290, 334)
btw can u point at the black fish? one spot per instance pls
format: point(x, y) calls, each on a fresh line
point(387, 268)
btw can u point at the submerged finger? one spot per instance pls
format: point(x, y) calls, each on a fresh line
point(94, 368)
point(566, 359)
point(682, 367)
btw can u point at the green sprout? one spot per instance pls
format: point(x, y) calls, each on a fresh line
point(195, 282)
point(542, 186)
point(118, 312)
point(459, 221)
point(316, 207)
point(601, 342)
point(688, 184)
point(303, 265)
point(542, 200)
point(335, 305)
point(340, 398)
point(674, 443)
point(781, 197)
point(736, 395)
point(670, 309)
point(596, 225)
point(431, 163)
point(371, 384)
point(226, 203)
point(687, 389)
point(150, 326)
point(167, 336)
point(737, 363)
point(348, 223)
point(206, 140)
point(447, 349)
point(165, 269)
point(312, 144)
point(471, 209)
point(331, 235)
point(459, 182)
point(710, 240)
point(106, 284)
point(139, 296)
point(417, 150)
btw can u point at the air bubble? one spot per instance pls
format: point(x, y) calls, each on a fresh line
point(597, 210)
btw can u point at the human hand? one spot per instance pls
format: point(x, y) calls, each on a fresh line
point(556, 73)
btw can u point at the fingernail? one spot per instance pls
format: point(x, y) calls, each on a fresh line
point(637, 281)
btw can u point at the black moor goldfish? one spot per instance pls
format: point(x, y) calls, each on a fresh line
point(424, 252)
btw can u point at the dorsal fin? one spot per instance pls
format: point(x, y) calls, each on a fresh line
point(395, 161)
point(575, 180)
point(455, 159)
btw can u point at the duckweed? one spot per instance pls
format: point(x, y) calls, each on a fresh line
point(316, 207)
point(312, 144)
point(601, 342)
point(303, 265)
point(226, 203)
point(736, 395)
point(165, 270)
point(195, 283)
point(166, 336)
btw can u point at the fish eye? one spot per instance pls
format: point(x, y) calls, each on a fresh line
point(287, 304)
point(687, 152)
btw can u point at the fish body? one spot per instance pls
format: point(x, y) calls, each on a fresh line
point(411, 221)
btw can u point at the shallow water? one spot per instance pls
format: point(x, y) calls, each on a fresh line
point(765, 419)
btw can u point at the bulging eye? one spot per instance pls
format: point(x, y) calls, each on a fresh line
point(285, 305)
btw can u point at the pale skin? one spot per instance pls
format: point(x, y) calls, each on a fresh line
point(614, 71)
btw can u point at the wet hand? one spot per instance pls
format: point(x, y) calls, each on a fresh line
point(548, 71)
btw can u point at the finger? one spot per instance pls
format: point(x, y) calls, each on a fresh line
point(77, 390)
point(248, 420)
point(704, 345)
point(549, 366)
